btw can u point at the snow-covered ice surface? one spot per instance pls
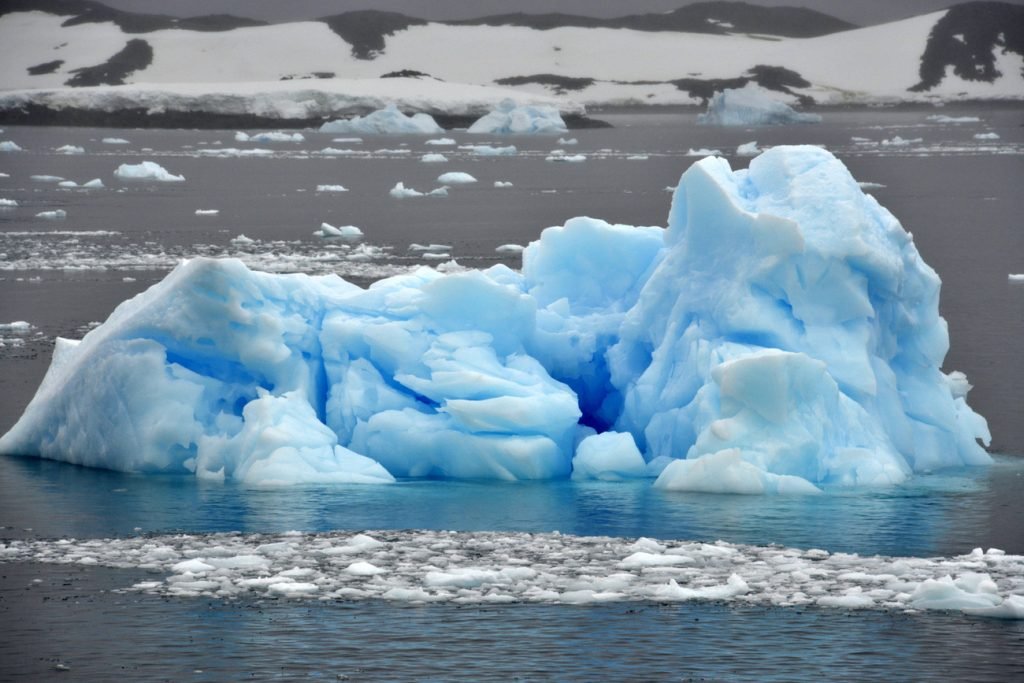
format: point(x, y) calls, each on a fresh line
point(508, 118)
point(751, 105)
point(387, 121)
point(503, 567)
point(812, 351)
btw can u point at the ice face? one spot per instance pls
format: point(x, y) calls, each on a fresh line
point(782, 335)
point(387, 121)
point(508, 118)
point(751, 105)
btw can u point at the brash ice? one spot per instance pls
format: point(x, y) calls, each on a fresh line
point(781, 335)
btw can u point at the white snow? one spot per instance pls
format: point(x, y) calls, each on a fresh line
point(147, 171)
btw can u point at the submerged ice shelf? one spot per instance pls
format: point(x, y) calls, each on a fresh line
point(549, 568)
point(781, 335)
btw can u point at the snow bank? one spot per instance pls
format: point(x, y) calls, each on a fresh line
point(387, 121)
point(751, 105)
point(512, 119)
point(781, 335)
point(147, 170)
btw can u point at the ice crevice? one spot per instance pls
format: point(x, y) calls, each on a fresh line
point(780, 335)
point(546, 568)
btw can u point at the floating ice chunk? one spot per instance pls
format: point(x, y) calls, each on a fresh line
point(510, 118)
point(569, 158)
point(331, 188)
point(727, 472)
point(9, 146)
point(207, 212)
point(271, 136)
point(55, 215)
point(70, 149)
point(400, 191)
point(702, 152)
point(1013, 277)
point(440, 141)
point(335, 152)
point(568, 141)
point(344, 232)
point(147, 170)
point(115, 141)
point(349, 140)
point(14, 202)
point(502, 183)
point(225, 152)
point(242, 240)
point(67, 183)
point(748, 149)
point(610, 456)
point(986, 136)
point(455, 178)
point(364, 569)
point(751, 105)
point(509, 249)
point(637, 157)
point(387, 121)
point(46, 178)
point(18, 326)
point(897, 141)
point(93, 184)
point(433, 158)
point(429, 247)
point(942, 118)
point(436, 256)
point(865, 185)
point(490, 151)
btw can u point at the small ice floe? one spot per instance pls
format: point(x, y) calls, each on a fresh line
point(343, 232)
point(387, 151)
point(490, 151)
point(67, 183)
point(897, 141)
point(147, 170)
point(207, 212)
point(703, 152)
point(560, 155)
point(272, 136)
point(433, 158)
point(1016, 277)
point(350, 140)
point(8, 203)
point(70, 149)
point(440, 141)
point(9, 146)
point(94, 184)
point(502, 183)
point(46, 178)
point(455, 178)
point(336, 152)
point(986, 136)
point(568, 141)
point(637, 157)
point(870, 186)
point(429, 247)
point(55, 215)
point(242, 240)
point(18, 327)
point(748, 149)
point(400, 191)
point(942, 118)
point(435, 256)
point(331, 188)
point(510, 249)
point(115, 141)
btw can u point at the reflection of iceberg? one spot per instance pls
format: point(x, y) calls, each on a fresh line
point(508, 118)
point(783, 328)
point(387, 121)
point(751, 105)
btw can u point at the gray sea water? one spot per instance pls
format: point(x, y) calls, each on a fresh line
point(957, 193)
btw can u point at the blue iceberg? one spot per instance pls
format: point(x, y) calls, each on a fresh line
point(508, 118)
point(751, 105)
point(387, 121)
point(781, 335)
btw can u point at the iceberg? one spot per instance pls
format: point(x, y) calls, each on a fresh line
point(781, 335)
point(751, 105)
point(508, 118)
point(147, 170)
point(387, 121)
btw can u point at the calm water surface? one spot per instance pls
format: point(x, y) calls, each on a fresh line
point(960, 196)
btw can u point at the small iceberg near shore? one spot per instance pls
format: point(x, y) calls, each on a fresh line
point(508, 118)
point(781, 335)
point(387, 121)
point(751, 105)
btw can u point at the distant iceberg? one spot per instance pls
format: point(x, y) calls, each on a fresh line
point(387, 121)
point(510, 118)
point(781, 335)
point(147, 170)
point(751, 105)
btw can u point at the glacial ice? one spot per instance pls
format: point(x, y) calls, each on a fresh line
point(10, 146)
point(781, 335)
point(455, 178)
point(508, 118)
point(387, 121)
point(751, 105)
point(269, 136)
point(147, 170)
